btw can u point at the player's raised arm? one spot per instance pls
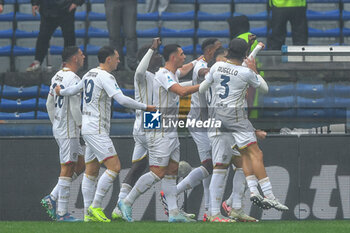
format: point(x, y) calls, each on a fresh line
point(69, 91)
point(260, 82)
point(253, 54)
point(144, 63)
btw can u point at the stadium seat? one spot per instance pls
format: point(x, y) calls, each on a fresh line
point(213, 1)
point(56, 50)
point(7, 17)
point(313, 32)
point(44, 91)
point(22, 51)
point(95, 16)
point(313, 102)
point(250, 1)
point(166, 32)
point(209, 33)
point(10, 92)
point(149, 33)
point(323, 15)
point(148, 16)
point(5, 50)
point(205, 16)
point(312, 90)
point(261, 31)
point(25, 34)
point(42, 115)
point(289, 113)
point(26, 17)
point(128, 92)
point(8, 33)
point(91, 49)
point(313, 113)
point(281, 89)
point(80, 16)
point(340, 89)
point(18, 105)
point(342, 102)
point(178, 16)
point(122, 115)
point(17, 116)
point(257, 16)
point(42, 104)
point(278, 102)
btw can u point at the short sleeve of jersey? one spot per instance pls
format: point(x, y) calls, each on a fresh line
point(110, 86)
point(210, 76)
point(166, 80)
point(253, 79)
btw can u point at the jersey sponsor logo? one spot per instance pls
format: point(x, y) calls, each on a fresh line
point(116, 86)
point(58, 78)
point(152, 120)
point(92, 74)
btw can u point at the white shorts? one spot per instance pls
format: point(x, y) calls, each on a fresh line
point(140, 148)
point(69, 149)
point(162, 149)
point(222, 148)
point(243, 139)
point(98, 146)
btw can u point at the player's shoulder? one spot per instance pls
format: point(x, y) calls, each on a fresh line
point(162, 72)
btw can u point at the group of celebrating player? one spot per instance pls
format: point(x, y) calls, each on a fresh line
point(218, 87)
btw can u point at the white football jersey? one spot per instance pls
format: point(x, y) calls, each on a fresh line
point(195, 112)
point(99, 86)
point(143, 94)
point(229, 87)
point(166, 101)
point(64, 125)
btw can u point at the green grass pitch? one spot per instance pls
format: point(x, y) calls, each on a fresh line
point(163, 227)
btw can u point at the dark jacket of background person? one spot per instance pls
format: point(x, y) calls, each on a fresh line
point(54, 8)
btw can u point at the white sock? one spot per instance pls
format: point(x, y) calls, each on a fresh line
point(103, 185)
point(63, 196)
point(169, 189)
point(238, 188)
point(124, 191)
point(193, 179)
point(216, 188)
point(144, 183)
point(54, 192)
point(266, 187)
point(206, 193)
point(252, 183)
point(88, 188)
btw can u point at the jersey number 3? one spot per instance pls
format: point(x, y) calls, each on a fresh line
point(225, 80)
point(89, 87)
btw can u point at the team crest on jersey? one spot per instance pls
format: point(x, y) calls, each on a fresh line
point(152, 120)
point(116, 86)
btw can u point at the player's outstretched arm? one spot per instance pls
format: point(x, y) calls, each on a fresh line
point(69, 91)
point(183, 91)
point(50, 106)
point(253, 54)
point(144, 63)
point(263, 87)
point(129, 102)
point(185, 69)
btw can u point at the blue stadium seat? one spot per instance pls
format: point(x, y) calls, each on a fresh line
point(22, 51)
point(313, 32)
point(128, 92)
point(250, 1)
point(312, 90)
point(340, 90)
point(44, 91)
point(205, 16)
point(313, 113)
point(80, 16)
point(6, 33)
point(153, 16)
point(166, 32)
point(346, 15)
point(213, 1)
point(313, 102)
point(257, 16)
point(281, 89)
point(5, 50)
point(342, 102)
point(178, 16)
point(262, 31)
point(42, 104)
point(56, 50)
point(10, 92)
point(42, 115)
point(209, 33)
point(279, 113)
point(183, 1)
point(95, 16)
point(17, 116)
point(278, 102)
point(91, 49)
point(80, 33)
point(25, 34)
point(7, 17)
point(117, 105)
point(27, 17)
point(153, 32)
point(18, 105)
point(122, 115)
point(323, 15)
point(346, 31)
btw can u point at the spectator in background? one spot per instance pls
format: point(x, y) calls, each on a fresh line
point(121, 14)
point(283, 11)
point(1, 6)
point(53, 14)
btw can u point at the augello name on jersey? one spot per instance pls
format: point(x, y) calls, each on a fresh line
point(193, 123)
point(227, 70)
